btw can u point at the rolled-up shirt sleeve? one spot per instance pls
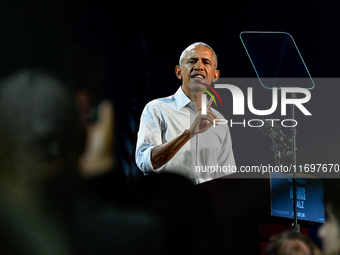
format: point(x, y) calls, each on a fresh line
point(149, 136)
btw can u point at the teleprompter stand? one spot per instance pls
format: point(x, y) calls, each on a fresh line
point(275, 54)
point(295, 225)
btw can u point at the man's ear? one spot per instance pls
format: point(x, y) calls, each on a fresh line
point(178, 72)
point(216, 75)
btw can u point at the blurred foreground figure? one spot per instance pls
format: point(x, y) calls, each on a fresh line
point(329, 232)
point(37, 141)
point(46, 206)
point(291, 243)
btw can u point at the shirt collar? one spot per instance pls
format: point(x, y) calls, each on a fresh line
point(181, 98)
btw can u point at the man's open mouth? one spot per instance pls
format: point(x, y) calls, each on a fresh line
point(197, 77)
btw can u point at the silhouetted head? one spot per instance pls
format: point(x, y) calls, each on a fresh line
point(291, 243)
point(39, 129)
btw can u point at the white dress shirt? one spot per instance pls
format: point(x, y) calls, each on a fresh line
point(164, 119)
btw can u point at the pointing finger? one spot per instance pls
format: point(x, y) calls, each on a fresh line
point(209, 103)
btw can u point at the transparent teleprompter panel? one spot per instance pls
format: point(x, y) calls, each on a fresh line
point(275, 55)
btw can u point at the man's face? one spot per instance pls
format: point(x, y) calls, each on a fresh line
point(198, 68)
point(329, 233)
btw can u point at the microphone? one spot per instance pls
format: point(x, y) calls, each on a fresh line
point(274, 131)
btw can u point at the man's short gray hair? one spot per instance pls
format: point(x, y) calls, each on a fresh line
point(192, 46)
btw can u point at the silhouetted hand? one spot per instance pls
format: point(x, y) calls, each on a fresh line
point(98, 156)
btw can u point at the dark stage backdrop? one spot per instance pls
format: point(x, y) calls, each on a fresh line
point(129, 51)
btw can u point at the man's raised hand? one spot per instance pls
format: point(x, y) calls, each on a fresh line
point(203, 122)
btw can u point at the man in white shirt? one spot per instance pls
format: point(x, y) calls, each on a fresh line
point(168, 124)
